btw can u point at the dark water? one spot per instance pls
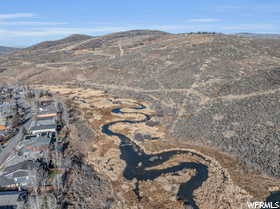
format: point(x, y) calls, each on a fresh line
point(137, 161)
point(273, 198)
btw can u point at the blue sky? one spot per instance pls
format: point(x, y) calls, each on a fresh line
point(26, 22)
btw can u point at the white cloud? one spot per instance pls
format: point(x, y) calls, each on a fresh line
point(230, 7)
point(16, 15)
point(249, 27)
point(63, 31)
point(204, 20)
point(59, 31)
point(54, 31)
point(257, 7)
point(183, 28)
point(30, 23)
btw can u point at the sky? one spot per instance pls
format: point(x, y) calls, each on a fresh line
point(27, 22)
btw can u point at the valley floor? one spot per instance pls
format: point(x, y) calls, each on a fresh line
point(147, 169)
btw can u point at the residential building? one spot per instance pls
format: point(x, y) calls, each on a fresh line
point(34, 148)
point(44, 125)
point(20, 175)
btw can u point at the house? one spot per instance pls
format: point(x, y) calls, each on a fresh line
point(46, 100)
point(23, 178)
point(7, 183)
point(44, 125)
point(47, 109)
point(44, 129)
point(25, 165)
point(7, 109)
point(46, 120)
point(31, 149)
point(35, 141)
point(34, 148)
point(20, 175)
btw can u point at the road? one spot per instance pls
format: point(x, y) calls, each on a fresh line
point(14, 141)
point(11, 198)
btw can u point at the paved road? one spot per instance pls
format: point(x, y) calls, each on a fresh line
point(13, 142)
point(11, 145)
point(10, 198)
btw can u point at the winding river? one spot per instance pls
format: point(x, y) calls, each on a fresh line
point(137, 161)
point(273, 198)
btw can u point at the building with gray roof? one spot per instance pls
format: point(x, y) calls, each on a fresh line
point(44, 125)
point(33, 141)
point(25, 165)
point(7, 182)
point(20, 175)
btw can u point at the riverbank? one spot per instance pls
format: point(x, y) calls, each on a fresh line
point(222, 187)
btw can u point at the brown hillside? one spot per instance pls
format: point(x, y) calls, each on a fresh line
point(217, 90)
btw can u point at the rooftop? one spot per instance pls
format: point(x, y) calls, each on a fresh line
point(44, 124)
point(43, 127)
point(35, 140)
point(47, 109)
point(20, 173)
point(25, 165)
point(44, 121)
point(4, 182)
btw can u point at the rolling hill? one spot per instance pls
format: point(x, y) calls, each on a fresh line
point(214, 90)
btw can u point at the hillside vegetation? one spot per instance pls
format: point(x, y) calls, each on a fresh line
point(215, 90)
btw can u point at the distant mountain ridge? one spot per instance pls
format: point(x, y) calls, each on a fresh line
point(260, 35)
point(4, 49)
